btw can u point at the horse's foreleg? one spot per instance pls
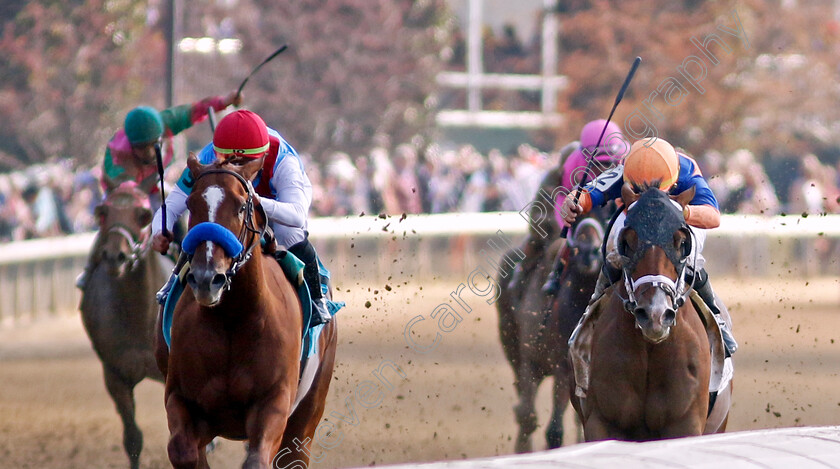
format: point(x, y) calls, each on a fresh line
point(554, 432)
point(184, 446)
point(122, 393)
point(265, 426)
point(526, 414)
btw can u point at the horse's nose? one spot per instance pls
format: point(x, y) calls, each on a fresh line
point(669, 318)
point(121, 257)
point(206, 279)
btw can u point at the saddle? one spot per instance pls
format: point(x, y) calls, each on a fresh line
point(580, 346)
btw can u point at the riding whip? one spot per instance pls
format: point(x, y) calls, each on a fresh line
point(267, 60)
point(609, 118)
point(162, 195)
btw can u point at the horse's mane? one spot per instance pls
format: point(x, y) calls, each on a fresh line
point(127, 195)
point(641, 188)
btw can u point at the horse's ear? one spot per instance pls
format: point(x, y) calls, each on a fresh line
point(249, 170)
point(628, 195)
point(685, 197)
point(194, 165)
point(100, 212)
point(144, 216)
point(110, 184)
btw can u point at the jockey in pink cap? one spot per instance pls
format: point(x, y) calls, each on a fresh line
point(612, 149)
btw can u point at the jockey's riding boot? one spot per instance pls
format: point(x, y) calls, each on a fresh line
point(703, 287)
point(320, 312)
point(312, 274)
point(552, 284)
point(163, 293)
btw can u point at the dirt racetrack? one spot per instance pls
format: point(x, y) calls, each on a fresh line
point(455, 401)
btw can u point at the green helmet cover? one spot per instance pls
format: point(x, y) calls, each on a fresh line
point(143, 125)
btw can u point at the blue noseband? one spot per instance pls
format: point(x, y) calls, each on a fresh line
point(214, 232)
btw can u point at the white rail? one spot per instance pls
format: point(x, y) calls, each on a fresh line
point(37, 277)
point(784, 448)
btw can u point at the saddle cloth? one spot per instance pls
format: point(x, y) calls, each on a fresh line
point(580, 345)
point(293, 268)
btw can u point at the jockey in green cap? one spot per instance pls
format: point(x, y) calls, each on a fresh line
point(130, 154)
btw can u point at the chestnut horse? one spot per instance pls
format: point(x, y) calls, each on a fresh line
point(118, 303)
point(651, 356)
point(235, 358)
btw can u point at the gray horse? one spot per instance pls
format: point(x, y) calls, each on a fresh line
point(118, 303)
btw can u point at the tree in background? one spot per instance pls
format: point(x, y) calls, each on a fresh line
point(778, 93)
point(68, 72)
point(355, 70)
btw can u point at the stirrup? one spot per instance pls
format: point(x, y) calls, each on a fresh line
point(163, 293)
point(320, 312)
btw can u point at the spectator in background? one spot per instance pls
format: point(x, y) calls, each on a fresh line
point(713, 165)
point(339, 181)
point(749, 190)
point(477, 172)
point(446, 183)
point(362, 194)
point(811, 191)
point(407, 186)
point(384, 180)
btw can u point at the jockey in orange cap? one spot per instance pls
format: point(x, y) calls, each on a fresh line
point(284, 189)
point(654, 161)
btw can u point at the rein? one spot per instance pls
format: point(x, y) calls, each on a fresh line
point(247, 228)
point(139, 246)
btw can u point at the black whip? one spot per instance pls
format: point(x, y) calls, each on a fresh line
point(583, 179)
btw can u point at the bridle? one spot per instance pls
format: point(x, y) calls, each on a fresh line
point(139, 245)
point(248, 227)
point(676, 290)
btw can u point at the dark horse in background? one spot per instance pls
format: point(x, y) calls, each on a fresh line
point(534, 326)
point(118, 304)
point(651, 355)
point(235, 359)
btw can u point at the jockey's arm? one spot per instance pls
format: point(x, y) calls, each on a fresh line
point(702, 216)
point(702, 211)
point(176, 205)
point(290, 205)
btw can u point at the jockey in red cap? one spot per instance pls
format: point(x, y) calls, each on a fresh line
point(284, 189)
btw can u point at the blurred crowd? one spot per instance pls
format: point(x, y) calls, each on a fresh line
point(53, 200)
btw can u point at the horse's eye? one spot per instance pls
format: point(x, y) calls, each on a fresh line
point(683, 247)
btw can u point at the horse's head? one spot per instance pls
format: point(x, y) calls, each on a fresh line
point(124, 219)
point(224, 226)
point(585, 244)
point(654, 245)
